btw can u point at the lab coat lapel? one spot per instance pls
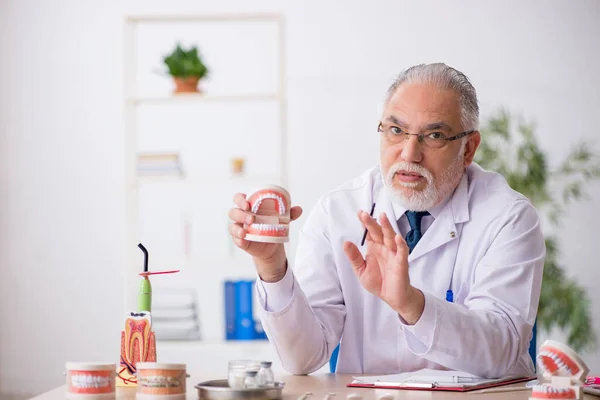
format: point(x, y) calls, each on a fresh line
point(442, 231)
point(444, 227)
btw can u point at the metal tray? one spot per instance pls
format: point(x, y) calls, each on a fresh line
point(220, 390)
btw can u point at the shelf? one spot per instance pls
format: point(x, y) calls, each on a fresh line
point(133, 18)
point(200, 97)
point(182, 263)
point(215, 343)
point(230, 267)
point(178, 205)
point(199, 179)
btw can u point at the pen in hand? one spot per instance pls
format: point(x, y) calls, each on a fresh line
point(362, 243)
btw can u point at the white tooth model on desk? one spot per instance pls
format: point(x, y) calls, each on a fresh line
point(563, 371)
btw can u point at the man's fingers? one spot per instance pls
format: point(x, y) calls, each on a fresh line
point(372, 226)
point(239, 199)
point(237, 231)
point(388, 233)
point(354, 255)
point(240, 216)
point(241, 243)
point(401, 247)
point(295, 213)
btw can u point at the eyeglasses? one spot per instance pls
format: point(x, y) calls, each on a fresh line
point(435, 140)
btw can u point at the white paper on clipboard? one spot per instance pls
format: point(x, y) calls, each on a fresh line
point(425, 378)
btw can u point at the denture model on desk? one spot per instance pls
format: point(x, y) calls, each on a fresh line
point(563, 371)
point(90, 381)
point(271, 209)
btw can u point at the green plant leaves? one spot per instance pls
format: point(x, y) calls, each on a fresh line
point(183, 63)
point(563, 304)
point(516, 155)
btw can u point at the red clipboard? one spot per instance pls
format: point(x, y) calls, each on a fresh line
point(434, 387)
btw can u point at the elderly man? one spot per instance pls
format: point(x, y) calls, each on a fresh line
point(450, 273)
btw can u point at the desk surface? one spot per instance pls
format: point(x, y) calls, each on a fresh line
point(323, 384)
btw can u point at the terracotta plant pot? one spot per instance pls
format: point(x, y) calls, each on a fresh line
point(186, 85)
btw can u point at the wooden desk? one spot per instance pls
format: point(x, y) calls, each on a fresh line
point(322, 384)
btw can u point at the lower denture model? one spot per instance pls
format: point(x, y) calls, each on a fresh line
point(564, 373)
point(270, 207)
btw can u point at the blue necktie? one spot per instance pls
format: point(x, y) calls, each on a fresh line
point(415, 234)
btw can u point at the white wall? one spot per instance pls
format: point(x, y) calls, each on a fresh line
point(61, 144)
point(61, 208)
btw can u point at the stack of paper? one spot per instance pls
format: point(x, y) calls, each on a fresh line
point(159, 164)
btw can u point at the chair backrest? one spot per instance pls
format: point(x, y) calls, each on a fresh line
point(333, 359)
point(533, 345)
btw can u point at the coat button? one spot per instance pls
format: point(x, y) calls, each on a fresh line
point(452, 234)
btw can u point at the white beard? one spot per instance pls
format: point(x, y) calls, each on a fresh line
point(434, 192)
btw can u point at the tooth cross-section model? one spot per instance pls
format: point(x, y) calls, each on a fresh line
point(271, 208)
point(138, 344)
point(564, 373)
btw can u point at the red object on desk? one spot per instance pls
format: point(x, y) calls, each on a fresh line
point(158, 272)
point(466, 388)
point(592, 380)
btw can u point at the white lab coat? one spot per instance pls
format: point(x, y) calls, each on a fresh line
point(485, 244)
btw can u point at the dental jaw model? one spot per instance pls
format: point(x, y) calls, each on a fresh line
point(271, 209)
point(138, 342)
point(563, 370)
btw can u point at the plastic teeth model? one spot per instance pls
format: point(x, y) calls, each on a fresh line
point(549, 392)
point(271, 209)
point(563, 371)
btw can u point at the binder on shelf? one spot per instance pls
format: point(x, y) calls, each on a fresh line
point(243, 303)
point(240, 323)
point(230, 310)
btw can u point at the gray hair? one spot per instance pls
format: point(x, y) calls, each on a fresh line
point(444, 77)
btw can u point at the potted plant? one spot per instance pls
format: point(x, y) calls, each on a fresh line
point(515, 154)
point(186, 68)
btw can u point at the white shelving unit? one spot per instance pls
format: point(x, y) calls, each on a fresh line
point(186, 97)
point(203, 191)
